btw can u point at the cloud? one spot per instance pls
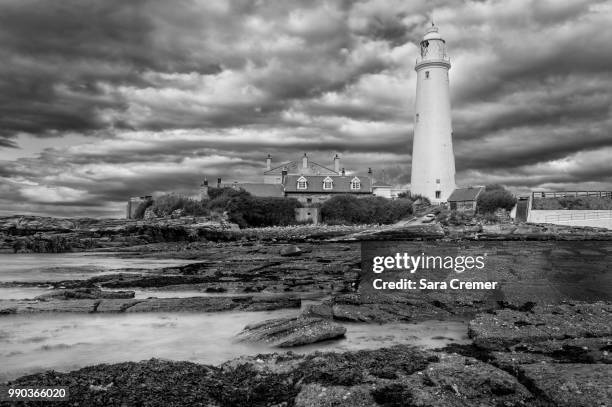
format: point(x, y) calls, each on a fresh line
point(150, 96)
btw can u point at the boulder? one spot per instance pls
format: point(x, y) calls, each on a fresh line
point(296, 331)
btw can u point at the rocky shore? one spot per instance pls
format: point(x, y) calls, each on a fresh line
point(519, 358)
point(543, 339)
point(33, 234)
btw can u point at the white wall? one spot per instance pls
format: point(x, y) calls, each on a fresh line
point(601, 219)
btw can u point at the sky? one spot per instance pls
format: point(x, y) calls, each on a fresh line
point(101, 100)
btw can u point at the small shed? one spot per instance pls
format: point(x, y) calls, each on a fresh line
point(464, 199)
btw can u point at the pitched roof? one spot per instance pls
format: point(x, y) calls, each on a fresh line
point(465, 194)
point(295, 167)
point(341, 184)
point(261, 189)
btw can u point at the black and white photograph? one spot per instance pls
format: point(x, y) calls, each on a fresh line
point(306, 203)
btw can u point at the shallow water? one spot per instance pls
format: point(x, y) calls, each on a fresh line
point(69, 341)
point(38, 342)
point(72, 266)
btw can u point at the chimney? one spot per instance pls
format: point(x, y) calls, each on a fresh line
point(305, 161)
point(337, 163)
point(283, 176)
point(204, 189)
point(269, 163)
point(343, 172)
point(218, 182)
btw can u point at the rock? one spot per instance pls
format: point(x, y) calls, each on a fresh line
point(189, 304)
point(33, 306)
point(290, 251)
point(396, 376)
point(380, 309)
point(504, 328)
point(571, 384)
point(84, 293)
point(296, 331)
point(323, 310)
point(316, 395)
point(460, 381)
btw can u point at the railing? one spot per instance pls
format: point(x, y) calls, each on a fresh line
point(567, 194)
point(588, 215)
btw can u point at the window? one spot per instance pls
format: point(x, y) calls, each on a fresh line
point(302, 183)
point(328, 183)
point(426, 74)
point(437, 180)
point(417, 118)
point(355, 183)
point(308, 200)
point(438, 194)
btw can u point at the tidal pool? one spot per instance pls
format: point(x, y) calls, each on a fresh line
point(33, 343)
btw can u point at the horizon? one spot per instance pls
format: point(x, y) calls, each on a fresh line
point(101, 101)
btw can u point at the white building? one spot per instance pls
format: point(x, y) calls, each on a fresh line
point(433, 160)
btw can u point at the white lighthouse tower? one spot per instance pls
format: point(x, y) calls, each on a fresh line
point(433, 160)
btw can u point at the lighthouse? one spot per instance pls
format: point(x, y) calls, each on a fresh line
point(433, 160)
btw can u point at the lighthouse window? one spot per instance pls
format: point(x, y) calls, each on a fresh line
point(426, 74)
point(438, 194)
point(437, 180)
point(417, 118)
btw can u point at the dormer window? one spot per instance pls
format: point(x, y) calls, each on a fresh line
point(302, 183)
point(355, 183)
point(328, 183)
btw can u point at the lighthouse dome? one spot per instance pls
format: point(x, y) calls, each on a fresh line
point(432, 34)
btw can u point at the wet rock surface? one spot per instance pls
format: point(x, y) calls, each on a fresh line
point(396, 376)
point(571, 384)
point(287, 332)
point(324, 268)
point(504, 328)
point(84, 293)
point(190, 304)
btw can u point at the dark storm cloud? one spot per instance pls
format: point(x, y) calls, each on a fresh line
point(170, 92)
